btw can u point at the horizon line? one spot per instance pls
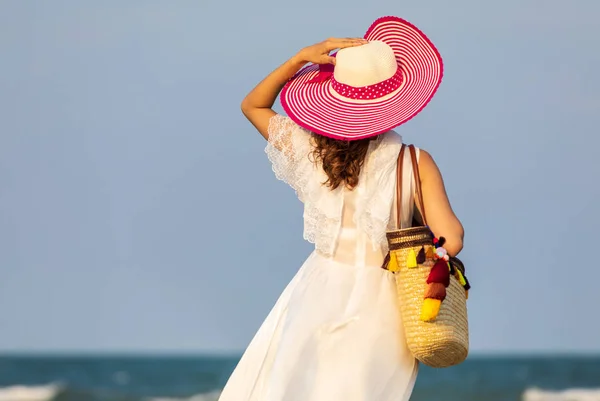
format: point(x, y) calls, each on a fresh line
point(238, 353)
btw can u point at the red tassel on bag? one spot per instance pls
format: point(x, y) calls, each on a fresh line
point(439, 273)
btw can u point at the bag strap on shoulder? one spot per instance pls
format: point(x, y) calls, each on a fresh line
point(417, 177)
point(415, 164)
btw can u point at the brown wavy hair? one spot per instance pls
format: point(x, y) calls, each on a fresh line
point(341, 160)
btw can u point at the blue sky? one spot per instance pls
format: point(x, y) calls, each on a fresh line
point(138, 211)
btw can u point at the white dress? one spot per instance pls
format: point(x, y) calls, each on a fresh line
point(335, 333)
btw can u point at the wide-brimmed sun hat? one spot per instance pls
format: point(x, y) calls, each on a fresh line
point(372, 88)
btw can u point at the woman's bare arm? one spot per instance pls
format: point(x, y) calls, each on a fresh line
point(440, 216)
point(257, 105)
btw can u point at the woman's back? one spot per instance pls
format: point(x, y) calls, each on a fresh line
point(347, 225)
point(354, 245)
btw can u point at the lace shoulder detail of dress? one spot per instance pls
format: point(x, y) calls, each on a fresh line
point(377, 186)
point(289, 148)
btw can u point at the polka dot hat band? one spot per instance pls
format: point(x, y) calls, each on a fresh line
point(372, 88)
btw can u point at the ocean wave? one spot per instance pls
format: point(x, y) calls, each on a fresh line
point(30, 393)
point(212, 396)
point(573, 394)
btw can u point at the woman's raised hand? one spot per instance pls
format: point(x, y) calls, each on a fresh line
point(319, 52)
point(257, 105)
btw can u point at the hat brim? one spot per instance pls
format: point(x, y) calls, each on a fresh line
point(317, 108)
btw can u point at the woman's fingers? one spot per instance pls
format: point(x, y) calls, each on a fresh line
point(319, 52)
point(327, 60)
point(340, 43)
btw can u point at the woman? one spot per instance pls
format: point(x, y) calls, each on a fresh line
point(335, 333)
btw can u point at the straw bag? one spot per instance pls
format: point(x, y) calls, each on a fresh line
point(432, 287)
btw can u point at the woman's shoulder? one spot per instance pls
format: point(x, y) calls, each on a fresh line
point(389, 142)
point(427, 165)
point(429, 171)
point(392, 140)
point(391, 135)
point(282, 123)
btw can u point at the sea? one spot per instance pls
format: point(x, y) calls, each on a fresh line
point(200, 378)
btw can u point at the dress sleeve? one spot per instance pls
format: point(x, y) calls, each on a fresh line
point(288, 149)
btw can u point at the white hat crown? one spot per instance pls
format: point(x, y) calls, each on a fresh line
point(365, 65)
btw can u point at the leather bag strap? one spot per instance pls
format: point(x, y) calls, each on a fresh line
point(415, 164)
point(417, 177)
point(399, 187)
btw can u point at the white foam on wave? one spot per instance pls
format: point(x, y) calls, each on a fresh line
point(29, 393)
point(212, 396)
point(573, 394)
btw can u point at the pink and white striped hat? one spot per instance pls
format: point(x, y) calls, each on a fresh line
point(372, 88)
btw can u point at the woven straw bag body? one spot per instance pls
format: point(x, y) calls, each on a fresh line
point(444, 341)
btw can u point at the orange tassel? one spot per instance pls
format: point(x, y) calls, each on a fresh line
point(436, 291)
point(429, 253)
